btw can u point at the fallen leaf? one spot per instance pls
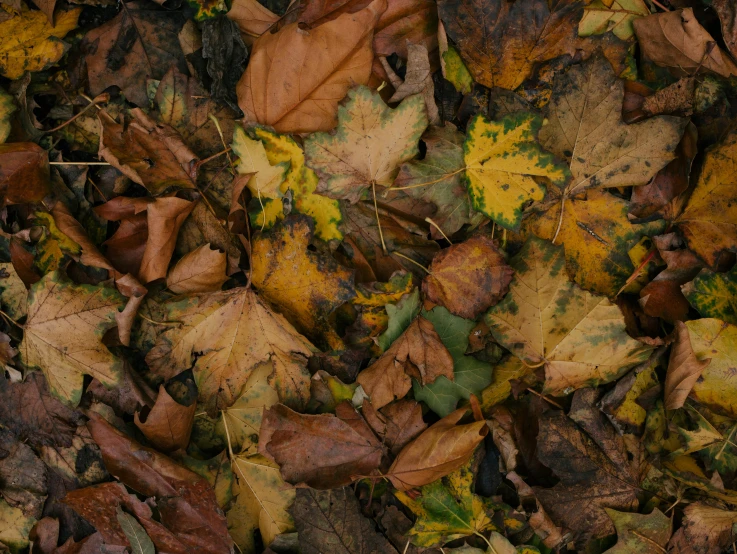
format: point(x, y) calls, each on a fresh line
point(266, 179)
point(645, 534)
point(395, 424)
point(165, 217)
point(23, 476)
point(501, 158)
point(728, 18)
point(501, 42)
point(399, 315)
point(418, 353)
point(24, 173)
point(706, 530)
point(168, 424)
point(602, 16)
point(252, 18)
point(676, 40)
point(30, 43)
point(684, 369)
point(584, 125)
point(202, 270)
point(341, 448)
point(330, 522)
point(468, 278)
point(388, 138)
point(322, 80)
point(708, 220)
point(7, 109)
point(63, 335)
point(470, 375)
point(237, 332)
point(140, 542)
point(447, 509)
point(13, 293)
point(440, 450)
point(14, 526)
point(546, 319)
point(714, 295)
point(417, 80)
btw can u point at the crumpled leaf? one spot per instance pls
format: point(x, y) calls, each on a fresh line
point(706, 529)
point(468, 278)
point(322, 80)
point(546, 320)
point(601, 16)
point(417, 80)
point(638, 533)
point(28, 42)
point(395, 424)
point(585, 127)
point(202, 270)
point(418, 353)
point(715, 339)
point(440, 450)
point(684, 369)
point(709, 220)
point(714, 294)
point(447, 509)
point(236, 332)
point(63, 335)
point(24, 173)
point(388, 138)
point(340, 448)
point(676, 40)
point(330, 522)
point(165, 217)
point(305, 285)
point(168, 424)
point(501, 158)
point(500, 42)
point(470, 375)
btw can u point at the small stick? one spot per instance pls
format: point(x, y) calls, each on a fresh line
point(78, 163)
point(545, 398)
point(99, 99)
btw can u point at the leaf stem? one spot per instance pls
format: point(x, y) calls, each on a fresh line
point(11, 320)
point(560, 219)
point(418, 185)
point(411, 260)
point(99, 99)
point(378, 221)
point(431, 222)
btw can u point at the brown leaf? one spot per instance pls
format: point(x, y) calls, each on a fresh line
point(727, 12)
point(24, 173)
point(252, 18)
point(22, 475)
point(320, 76)
point(417, 80)
point(544, 527)
point(418, 353)
point(395, 424)
point(340, 448)
point(168, 424)
point(202, 270)
point(706, 530)
point(468, 278)
point(437, 452)
point(126, 247)
point(406, 22)
point(684, 369)
point(186, 502)
point(164, 216)
point(677, 41)
point(150, 154)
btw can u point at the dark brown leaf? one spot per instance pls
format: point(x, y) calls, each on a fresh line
point(24, 173)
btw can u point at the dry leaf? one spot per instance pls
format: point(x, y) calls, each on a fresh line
point(168, 424)
point(24, 173)
point(165, 217)
point(202, 270)
point(395, 424)
point(417, 80)
point(684, 369)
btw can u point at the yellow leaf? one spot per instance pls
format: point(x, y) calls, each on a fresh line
point(266, 178)
point(13, 293)
point(29, 43)
point(501, 387)
point(501, 159)
point(15, 526)
point(546, 320)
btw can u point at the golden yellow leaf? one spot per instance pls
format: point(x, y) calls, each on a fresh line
point(29, 43)
point(266, 178)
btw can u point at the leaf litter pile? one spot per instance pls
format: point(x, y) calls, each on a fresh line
point(368, 276)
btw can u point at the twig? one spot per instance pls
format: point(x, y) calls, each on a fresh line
point(159, 322)
point(648, 539)
point(533, 391)
point(99, 99)
point(411, 260)
point(661, 6)
point(78, 163)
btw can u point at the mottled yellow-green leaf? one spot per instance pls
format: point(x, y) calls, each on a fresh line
point(500, 388)
point(266, 178)
point(399, 315)
point(501, 159)
point(302, 181)
point(14, 526)
point(640, 533)
point(714, 294)
point(54, 246)
point(218, 473)
point(207, 9)
point(13, 293)
point(686, 470)
point(717, 386)
point(616, 16)
point(7, 109)
point(29, 43)
point(546, 320)
point(456, 71)
point(629, 412)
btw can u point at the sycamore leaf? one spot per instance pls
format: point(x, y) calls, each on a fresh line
point(470, 376)
point(306, 286)
point(224, 337)
point(63, 334)
point(546, 320)
point(302, 181)
point(501, 41)
point(706, 529)
point(400, 315)
point(717, 387)
point(266, 177)
point(501, 159)
point(468, 278)
point(714, 294)
point(7, 109)
point(598, 236)
point(616, 16)
point(368, 146)
point(13, 293)
point(168, 424)
point(639, 533)
point(201, 270)
point(709, 220)
point(447, 509)
point(584, 125)
point(29, 43)
point(218, 472)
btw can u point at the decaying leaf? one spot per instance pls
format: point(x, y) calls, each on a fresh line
point(645, 534)
point(714, 294)
point(706, 529)
point(202, 270)
point(684, 369)
point(601, 16)
point(395, 424)
point(24, 173)
point(168, 424)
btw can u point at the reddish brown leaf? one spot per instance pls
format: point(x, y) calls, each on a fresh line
point(168, 424)
point(396, 424)
point(165, 217)
point(24, 173)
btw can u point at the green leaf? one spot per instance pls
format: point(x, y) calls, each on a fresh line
point(140, 542)
point(471, 375)
point(456, 71)
point(400, 315)
point(638, 533)
point(714, 294)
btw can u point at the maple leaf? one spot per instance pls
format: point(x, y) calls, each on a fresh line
point(201, 270)
point(584, 125)
point(646, 534)
point(601, 16)
point(236, 332)
point(28, 42)
point(546, 320)
point(168, 424)
point(714, 295)
point(265, 178)
point(13, 293)
point(387, 138)
point(501, 41)
point(64, 331)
